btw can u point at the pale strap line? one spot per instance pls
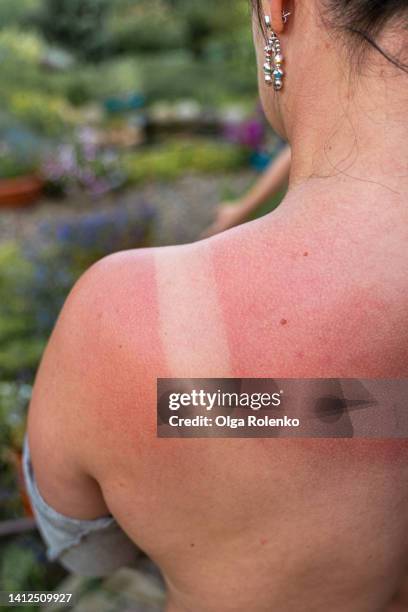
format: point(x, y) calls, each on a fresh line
point(192, 325)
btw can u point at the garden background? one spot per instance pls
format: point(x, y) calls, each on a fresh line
point(122, 124)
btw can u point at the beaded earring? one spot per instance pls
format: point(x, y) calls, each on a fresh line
point(273, 61)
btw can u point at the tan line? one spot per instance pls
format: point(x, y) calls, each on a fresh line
point(192, 326)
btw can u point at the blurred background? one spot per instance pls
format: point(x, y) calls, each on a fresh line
point(123, 124)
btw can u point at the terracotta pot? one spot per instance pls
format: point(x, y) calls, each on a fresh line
point(20, 191)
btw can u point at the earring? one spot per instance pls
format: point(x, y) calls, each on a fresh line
point(274, 73)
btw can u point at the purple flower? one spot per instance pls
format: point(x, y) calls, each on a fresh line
point(250, 133)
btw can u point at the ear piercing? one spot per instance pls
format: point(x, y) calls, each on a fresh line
point(273, 59)
point(285, 16)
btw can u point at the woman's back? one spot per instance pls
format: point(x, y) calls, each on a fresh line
point(260, 524)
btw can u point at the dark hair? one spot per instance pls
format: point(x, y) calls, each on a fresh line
point(363, 20)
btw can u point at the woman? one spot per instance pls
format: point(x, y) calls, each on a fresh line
point(315, 289)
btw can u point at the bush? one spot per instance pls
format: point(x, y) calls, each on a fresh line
point(167, 162)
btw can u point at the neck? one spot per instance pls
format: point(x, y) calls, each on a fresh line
point(349, 129)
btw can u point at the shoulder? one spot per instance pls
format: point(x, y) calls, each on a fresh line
point(104, 328)
point(112, 294)
point(103, 352)
point(113, 300)
point(103, 289)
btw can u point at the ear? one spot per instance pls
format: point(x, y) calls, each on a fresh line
point(274, 9)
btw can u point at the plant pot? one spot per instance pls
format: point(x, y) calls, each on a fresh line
point(20, 191)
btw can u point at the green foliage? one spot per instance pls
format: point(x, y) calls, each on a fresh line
point(14, 398)
point(162, 55)
point(188, 48)
point(12, 166)
point(21, 354)
point(20, 46)
point(147, 26)
point(20, 54)
point(85, 83)
point(205, 19)
point(29, 94)
point(167, 162)
point(20, 346)
point(12, 12)
point(78, 25)
point(48, 115)
point(177, 75)
point(15, 272)
point(19, 569)
point(81, 83)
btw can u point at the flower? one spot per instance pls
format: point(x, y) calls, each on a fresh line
point(249, 133)
point(84, 164)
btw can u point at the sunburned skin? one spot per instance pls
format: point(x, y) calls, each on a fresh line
point(259, 525)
